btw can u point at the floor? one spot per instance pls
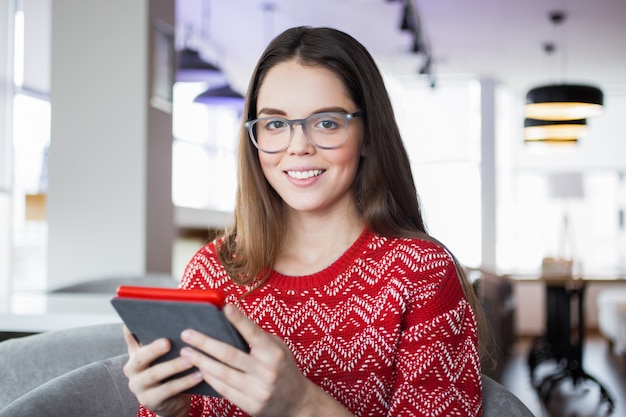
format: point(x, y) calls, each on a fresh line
point(582, 400)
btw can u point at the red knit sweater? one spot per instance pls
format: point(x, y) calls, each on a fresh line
point(386, 329)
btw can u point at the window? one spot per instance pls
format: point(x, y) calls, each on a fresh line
point(204, 174)
point(31, 138)
point(445, 158)
point(588, 227)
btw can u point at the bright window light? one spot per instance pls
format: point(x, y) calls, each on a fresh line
point(204, 171)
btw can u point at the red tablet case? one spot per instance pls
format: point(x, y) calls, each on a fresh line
point(151, 313)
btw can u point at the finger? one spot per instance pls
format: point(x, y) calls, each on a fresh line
point(237, 386)
point(224, 378)
point(166, 395)
point(130, 340)
point(151, 382)
point(140, 357)
point(264, 346)
point(250, 331)
point(212, 348)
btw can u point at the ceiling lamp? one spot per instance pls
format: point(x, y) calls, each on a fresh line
point(554, 132)
point(189, 59)
point(222, 96)
point(191, 68)
point(563, 101)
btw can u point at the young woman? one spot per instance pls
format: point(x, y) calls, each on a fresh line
point(348, 305)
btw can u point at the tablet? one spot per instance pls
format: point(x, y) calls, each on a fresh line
point(152, 313)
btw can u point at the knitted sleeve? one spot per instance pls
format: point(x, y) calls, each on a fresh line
point(438, 366)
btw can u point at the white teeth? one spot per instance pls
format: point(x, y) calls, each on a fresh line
point(302, 175)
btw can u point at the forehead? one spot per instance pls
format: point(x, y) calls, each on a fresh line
point(300, 90)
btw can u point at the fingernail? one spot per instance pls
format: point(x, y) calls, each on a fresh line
point(163, 345)
point(185, 352)
point(186, 335)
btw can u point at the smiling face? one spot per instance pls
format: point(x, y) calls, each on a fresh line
point(307, 178)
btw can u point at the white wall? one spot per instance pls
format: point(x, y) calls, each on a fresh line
point(105, 142)
point(530, 315)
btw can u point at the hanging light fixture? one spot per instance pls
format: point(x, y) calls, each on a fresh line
point(191, 67)
point(223, 95)
point(563, 101)
point(219, 91)
point(554, 132)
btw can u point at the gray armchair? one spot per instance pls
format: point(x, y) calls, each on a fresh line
point(78, 372)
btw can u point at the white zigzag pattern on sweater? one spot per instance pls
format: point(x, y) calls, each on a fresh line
point(338, 327)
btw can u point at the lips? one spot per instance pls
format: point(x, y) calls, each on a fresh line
point(304, 175)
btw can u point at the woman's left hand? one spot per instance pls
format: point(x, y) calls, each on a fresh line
point(264, 382)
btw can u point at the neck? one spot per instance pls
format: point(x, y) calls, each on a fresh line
point(314, 242)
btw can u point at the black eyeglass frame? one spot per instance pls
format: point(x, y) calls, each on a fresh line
point(249, 125)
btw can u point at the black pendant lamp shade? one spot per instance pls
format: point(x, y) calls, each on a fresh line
point(222, 95)
point(547, 131)
point(564, 102)
point(192, 68)
point(189, 59)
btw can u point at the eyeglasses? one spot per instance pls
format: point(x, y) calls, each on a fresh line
point(327, 130)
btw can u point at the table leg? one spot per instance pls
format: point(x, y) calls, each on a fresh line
point(561, 345)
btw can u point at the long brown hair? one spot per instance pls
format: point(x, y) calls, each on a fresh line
point(383, 188)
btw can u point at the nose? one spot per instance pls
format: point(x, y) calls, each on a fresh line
point(299, 143)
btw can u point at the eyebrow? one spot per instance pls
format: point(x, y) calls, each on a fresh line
point(277, 112)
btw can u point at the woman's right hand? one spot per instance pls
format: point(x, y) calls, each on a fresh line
point(165, 399)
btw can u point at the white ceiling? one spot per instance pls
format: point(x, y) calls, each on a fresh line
point(499, 39)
